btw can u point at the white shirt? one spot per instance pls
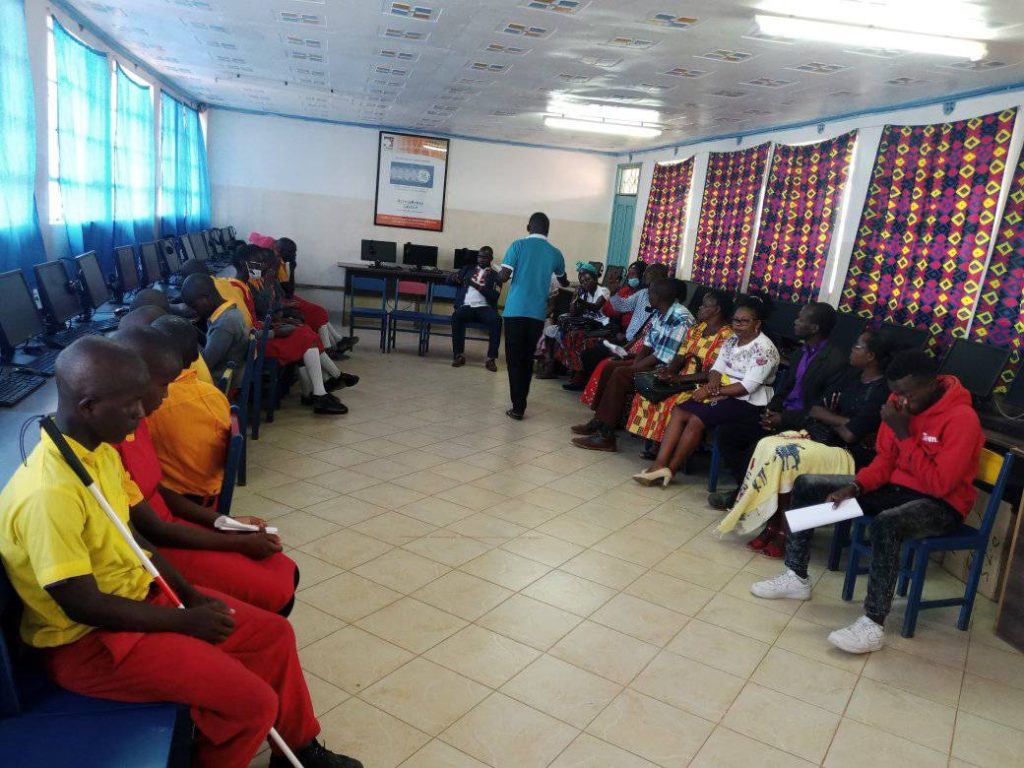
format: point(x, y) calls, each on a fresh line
point(600, 292)
point(473, 297)
point(753, 365)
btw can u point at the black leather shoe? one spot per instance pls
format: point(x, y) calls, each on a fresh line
point(329, 404)
point(722, 500)
point(316, 755)
point(349, 379)
point(514, 415)
point(333, 383)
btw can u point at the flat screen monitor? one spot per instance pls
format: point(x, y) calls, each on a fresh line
point(420, 255)
point(150, 262)
point(127, 272)
point(198, 245)
point(1015, 393)
point(226, 237)
point(780, 320)
point(904, 337)
point(56, 292)
point(91, 275)
point(19, 319)
point(976, 365)
point(170, 254)
point(379, 250)
point(188, 249)
point(464, 256)
point(848, 329)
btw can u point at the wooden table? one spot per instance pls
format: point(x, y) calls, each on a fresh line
point(1010, 609)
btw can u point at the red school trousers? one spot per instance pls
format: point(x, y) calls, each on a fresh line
point(236, 690)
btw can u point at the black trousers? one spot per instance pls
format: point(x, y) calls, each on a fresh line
point(486, 315)
point(521, 336)
point(591, 357)
point(736, 443)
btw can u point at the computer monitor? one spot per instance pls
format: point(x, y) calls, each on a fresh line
point(60, 302)
point(379, 251)
point(170, 253)
point(848, 329)
point(226, 237)
point(188, 249)
point(464, 256)
point(199, 250)
point(420, 255)
point(150, 262)
point(904, 337)
point(19, 320)
point(91, 275)
point(780, 319)
point(976, 365)
point(1015, 393)
point(127, 271)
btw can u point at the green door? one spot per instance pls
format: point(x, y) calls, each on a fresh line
point(627, 181)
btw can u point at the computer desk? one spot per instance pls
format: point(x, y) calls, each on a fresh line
point(1010, 607)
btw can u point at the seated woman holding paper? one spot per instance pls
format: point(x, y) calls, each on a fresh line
point(920, 483)
point(691, 366)
point(836, 438)
point(738, 387)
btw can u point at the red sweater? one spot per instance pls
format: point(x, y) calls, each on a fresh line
point(940, 456)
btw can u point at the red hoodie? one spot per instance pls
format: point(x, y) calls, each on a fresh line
point(939, 458)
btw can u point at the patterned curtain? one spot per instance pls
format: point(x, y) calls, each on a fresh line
point(727, 213)
point(665, 219)
point(927, 223)
point(804, 190)
point(1000, 316)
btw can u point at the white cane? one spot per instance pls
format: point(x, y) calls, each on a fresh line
point(50, 428)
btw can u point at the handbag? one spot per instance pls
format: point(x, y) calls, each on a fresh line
point(651, 388)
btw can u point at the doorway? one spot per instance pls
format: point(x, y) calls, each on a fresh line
point(627, 183)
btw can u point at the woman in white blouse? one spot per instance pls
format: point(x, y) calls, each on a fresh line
point(738, 387)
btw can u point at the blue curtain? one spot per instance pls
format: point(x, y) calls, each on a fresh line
point(184, 180)
point(83, 140)
point(20, 243)
point(134, 162)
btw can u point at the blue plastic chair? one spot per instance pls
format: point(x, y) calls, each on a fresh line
point(993, 471)
point(378, 287)
point(419, 293)
point(232, 464)
point(447, 293)
point(243, 399)
point(266, 377)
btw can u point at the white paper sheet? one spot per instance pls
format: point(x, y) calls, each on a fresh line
point(822, 514)
point(223, 523)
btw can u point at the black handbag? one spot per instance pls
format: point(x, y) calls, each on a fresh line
point(651, 388)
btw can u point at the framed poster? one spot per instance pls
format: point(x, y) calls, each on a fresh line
point(412, 177)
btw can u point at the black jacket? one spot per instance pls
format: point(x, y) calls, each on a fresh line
point(825, 369)
point(461, 278)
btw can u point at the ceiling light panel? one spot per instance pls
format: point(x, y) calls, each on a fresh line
point(565, 7)
point(412, 35)
point(604, 62)
point(633, 43)
point(533, 31)
point(412, 11)
point(726, 55)
point(508, 50)
point(301, 19)
point(767, 82)
point(819, 68)
point(691, 74)
point(491, 68)
point(671, 21)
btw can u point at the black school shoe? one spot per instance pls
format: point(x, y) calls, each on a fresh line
point(316, 755)
point(328, 404)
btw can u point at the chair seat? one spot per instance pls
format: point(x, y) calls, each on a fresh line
point(367, 312)
point(964, 537)
point(408, 314)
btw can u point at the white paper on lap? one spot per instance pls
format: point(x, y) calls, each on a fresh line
point(822, 514)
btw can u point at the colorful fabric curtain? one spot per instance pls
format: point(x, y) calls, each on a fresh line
point(185, 182)
point(134, 162)
point(20, 243)
point(1000, 315)
point(803, 194)
point(665, 220)
point(83, 140)
point(927, 224)
point(727, 215)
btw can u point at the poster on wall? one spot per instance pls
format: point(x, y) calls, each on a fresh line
point(412, 175)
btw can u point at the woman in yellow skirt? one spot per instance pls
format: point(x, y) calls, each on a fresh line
point(695, 357)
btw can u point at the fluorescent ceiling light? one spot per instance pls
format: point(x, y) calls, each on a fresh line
point(612, 129)
point(579, 111)
point(947, 18)
point(871, 37)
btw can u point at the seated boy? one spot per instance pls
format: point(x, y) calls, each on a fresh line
point(227, 338)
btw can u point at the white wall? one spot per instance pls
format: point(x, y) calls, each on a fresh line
point(869, 134)
point(315, 182)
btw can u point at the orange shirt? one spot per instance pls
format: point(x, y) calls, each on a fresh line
point(202, 370)
point(191, 430)
point(237, 293)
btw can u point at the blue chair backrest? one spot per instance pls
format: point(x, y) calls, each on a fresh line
point(441, 291)
point(10, 612)
point(369, 285)
point(988, 520)
point(253, 362)
point(232, 462)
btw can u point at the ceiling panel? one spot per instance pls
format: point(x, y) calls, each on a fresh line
point(489, 68)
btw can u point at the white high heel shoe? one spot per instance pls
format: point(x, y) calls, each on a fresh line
point(663, 476)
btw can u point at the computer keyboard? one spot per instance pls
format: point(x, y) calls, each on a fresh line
point(998, 423)
point(68, 336)
point(44, 363)
point(16, 385)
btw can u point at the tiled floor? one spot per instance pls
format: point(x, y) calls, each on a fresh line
point(477, 592)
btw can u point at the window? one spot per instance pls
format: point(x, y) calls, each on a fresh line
point(134, 159)
point(52, 145)
point(184, 183)
point(628, 180)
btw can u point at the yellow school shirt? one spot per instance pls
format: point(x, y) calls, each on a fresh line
point(202, 371)
point(232, 291)
point(190, 431)
point(52, 529)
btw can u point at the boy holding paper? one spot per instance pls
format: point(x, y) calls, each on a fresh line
point(921, 483)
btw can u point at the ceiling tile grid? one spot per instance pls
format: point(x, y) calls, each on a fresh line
point(491, 68)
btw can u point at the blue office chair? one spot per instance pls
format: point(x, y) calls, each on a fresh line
point(993, 470)
point(232, 464)
point(377, 287)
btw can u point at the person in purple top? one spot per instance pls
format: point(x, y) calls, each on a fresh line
point(818, 365)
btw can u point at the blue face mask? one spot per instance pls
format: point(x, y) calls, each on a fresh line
point(633, 282)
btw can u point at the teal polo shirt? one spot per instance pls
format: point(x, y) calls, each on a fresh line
point(533, 261)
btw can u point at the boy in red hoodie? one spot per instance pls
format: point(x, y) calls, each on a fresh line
point(921, 483)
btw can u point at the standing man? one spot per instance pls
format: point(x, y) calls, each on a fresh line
point(476, 301)
point(529, 262)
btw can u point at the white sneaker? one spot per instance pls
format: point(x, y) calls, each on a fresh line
point(863, 636)
point(786, 585)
